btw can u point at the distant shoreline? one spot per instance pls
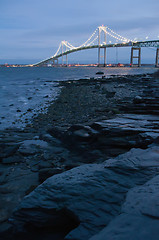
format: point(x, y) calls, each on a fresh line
point(76, 65)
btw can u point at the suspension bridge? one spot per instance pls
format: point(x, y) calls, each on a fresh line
point(99, 40)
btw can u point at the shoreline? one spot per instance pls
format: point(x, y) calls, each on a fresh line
point(77, 98)
point(17, 112)
point(68, 136)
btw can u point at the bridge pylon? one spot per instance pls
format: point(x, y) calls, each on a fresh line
point(100, 30)
point(138, 56)
point(55, 62)
point(62, 51)
point(157, 57)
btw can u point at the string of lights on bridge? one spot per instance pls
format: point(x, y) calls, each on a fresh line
point(90, 42)
point(95, 41)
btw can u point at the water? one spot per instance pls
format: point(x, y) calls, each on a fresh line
point(24, 92)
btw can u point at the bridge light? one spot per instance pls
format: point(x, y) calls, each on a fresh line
point(147, 37)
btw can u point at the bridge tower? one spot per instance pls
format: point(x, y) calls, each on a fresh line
point(157, 57)
point(138, 56)
point(62, 51)
point(100, 30)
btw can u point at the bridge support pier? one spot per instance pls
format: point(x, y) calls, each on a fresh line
point(66, 60)
point(138, 56)
point(99, 45)
point(157, 57)
point(99, 57)
point(55, 62)
point(105, 57)
point(62, 52)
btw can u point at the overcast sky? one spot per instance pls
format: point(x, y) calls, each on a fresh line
point(32, 29)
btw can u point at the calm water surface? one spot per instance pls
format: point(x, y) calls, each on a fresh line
point(25, 92)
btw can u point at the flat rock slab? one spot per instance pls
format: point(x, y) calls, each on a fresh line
point(121, 126)
point(114, 136)
point(130, 123)
point(95, 193)
point(30, 147)
point(139, 218)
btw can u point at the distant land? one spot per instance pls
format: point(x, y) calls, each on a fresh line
point(75, 65)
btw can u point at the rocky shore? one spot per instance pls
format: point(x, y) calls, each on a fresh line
point(88, 168)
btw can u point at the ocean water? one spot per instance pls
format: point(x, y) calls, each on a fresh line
point(25, 92)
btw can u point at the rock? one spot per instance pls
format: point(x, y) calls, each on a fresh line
point(45, 164)
point(6, 231)
point(113, 136)
point(55, 132)
point(53, 152)
point(42, 223)
point(139, 218)
point(8, 150)
point(127, 130)
point(93, 192)
point(29, 110)
point(11, 160)
point(99, 73)
point(48, 138)
point(31, 147)
point(156, 140)
point(81, 133)
point(137, 100)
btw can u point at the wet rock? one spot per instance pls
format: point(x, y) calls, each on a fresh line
point(29, 110)
point(81, 133)
point(7, 150)
point(31, 147)
point(93, 192)
point(138, 99)
point(113, 136)
point(45, 164)
point(43, 223)
point(6, 231)
point(55, 132)
point(156, 141)
point(99, 73)
point(49, 138)
point(108, 93)
point(11, 160)
point(148, 103)
point(139, 218)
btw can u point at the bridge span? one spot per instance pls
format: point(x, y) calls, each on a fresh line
point(90, 44)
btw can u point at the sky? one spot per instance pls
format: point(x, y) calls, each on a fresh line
point(31, 30)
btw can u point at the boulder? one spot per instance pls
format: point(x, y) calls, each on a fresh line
point(139, 218)
point(138, 99)
point(31, 147)
point(93, 192)
point(113, 136)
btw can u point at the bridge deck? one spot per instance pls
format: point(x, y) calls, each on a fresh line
point(153, 43)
